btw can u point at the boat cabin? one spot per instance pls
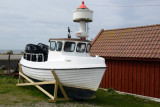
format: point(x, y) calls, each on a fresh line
point(70, 45)
point(66, 46)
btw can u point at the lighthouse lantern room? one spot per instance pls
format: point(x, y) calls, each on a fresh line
point(82, 16)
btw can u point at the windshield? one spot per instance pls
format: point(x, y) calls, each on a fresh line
point(88, 48)
point(59, 46)
point(52, 45)
point(81, 47)
point(69, 46)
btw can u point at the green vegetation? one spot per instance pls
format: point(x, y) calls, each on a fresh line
point(10, 95)
point(113, 99)
point(10, 52)
point(1, 71)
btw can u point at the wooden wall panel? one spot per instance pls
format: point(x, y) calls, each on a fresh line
point(147, 79)
point(116, 76)
point(123, 76)
point(119, 76)
point(104, 80)
point(126, 74)
point(107, 76)
point(130, 77)
point(138, 77)
point(100, 84)
point(151, 84)
point(110, 73)
point(157, 81)
point(134, 78)
point(142, 78)
point(113, 74)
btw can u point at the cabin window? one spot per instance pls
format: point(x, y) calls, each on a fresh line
point(52, 45)
point(88, 48)
point(69, 46)
point(81, 47)
point(59, 46)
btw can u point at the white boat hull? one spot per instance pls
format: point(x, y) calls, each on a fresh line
point(84, 78)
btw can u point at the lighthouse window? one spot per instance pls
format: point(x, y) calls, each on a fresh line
point(88, 48)
point(69, 46)
point(59, 46)
point(81, 47)
point(52, 45)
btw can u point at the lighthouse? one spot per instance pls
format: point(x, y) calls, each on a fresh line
point(82, 15)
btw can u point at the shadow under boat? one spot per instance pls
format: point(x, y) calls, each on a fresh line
point(75, 93)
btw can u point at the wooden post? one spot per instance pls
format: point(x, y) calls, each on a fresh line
point(20, 71)
point(60, 85)
point(9, 63)
point(36, 84)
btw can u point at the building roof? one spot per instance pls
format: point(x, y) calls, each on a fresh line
point(134, 42)
point(69, 39)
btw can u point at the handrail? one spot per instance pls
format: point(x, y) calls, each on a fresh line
point(37, 54)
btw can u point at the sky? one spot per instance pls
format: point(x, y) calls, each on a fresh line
point(35, 21)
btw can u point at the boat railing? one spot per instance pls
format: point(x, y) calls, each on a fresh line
point(36, 57)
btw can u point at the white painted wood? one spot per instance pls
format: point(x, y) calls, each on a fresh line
point(85, 78)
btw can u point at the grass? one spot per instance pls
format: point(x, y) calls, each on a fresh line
point(1, 71)
point(10, 95)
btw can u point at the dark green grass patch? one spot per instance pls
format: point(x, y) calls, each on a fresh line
point(11, 95)
point(113, 99)
point(1, 71)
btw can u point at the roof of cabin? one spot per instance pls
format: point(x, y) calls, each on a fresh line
point(69, 39)
point(134, 42)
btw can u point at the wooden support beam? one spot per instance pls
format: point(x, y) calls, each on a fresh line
point(40, 88)
point(36, 84)
point(60, 85)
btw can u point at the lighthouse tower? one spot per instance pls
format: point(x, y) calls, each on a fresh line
point(82, 16)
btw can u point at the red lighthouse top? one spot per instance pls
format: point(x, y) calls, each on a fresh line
point(82, 6)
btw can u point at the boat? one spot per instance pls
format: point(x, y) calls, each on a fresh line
point(79, 73)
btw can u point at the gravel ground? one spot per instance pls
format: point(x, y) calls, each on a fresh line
point(46, 104)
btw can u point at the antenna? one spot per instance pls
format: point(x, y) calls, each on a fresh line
point(69, 33)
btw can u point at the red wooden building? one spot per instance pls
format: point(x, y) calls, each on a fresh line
point(133, 59)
